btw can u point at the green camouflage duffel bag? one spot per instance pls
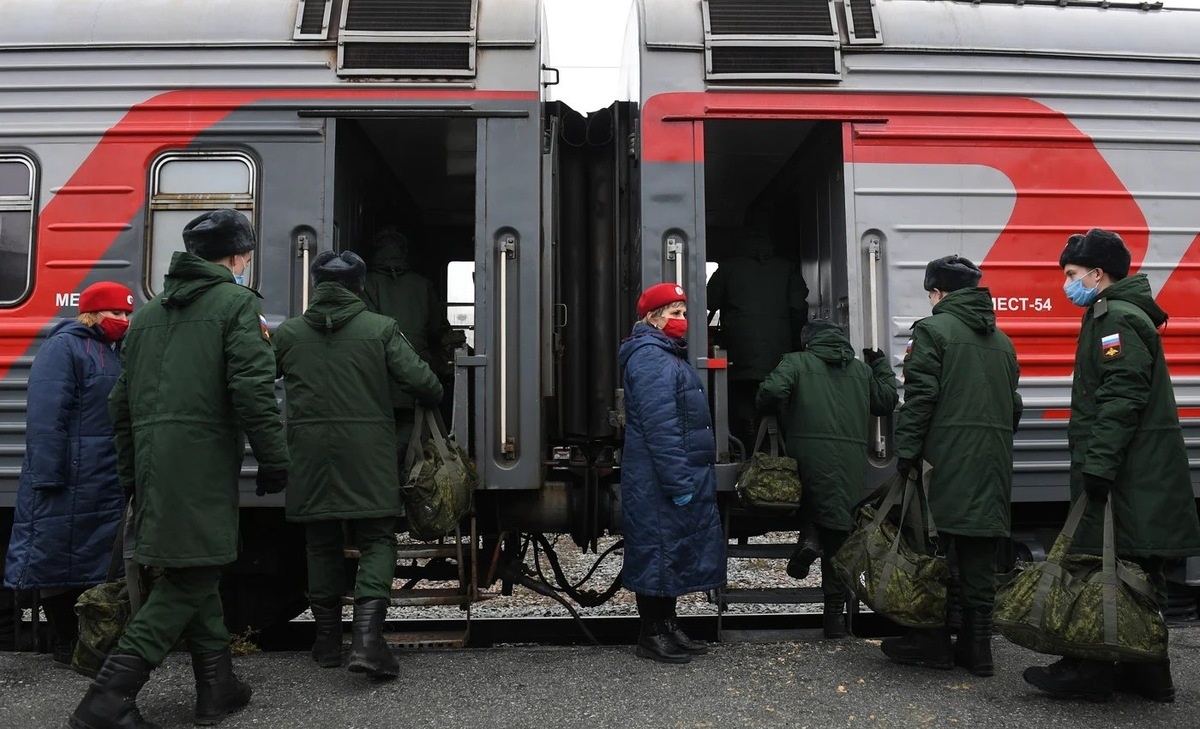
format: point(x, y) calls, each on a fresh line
point(769, 481)
point(441, 480)
point(888, 565)
point(1081, 605)
point(103, 612)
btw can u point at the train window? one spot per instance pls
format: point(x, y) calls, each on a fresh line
point(184, 185)
point(16, 228)
point(460, 297)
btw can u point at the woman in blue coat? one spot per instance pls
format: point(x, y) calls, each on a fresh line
point(673, 539)
point(69, 501)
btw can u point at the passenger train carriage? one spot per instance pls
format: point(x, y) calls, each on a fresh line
point(869, 137)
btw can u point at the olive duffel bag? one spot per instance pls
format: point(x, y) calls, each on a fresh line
point(893, 566)
point(769, 482)
point(1080, 605)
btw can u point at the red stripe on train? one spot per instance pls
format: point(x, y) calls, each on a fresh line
point(1066, 414)
point(1063, 185)
point(82, 227)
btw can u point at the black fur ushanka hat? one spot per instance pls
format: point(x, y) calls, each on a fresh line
point(1102, 249)
point(346, 268)
point(951, 274)
point(218, 234)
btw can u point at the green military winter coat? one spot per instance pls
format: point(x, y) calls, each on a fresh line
point(762, 300)
point(961, 407)
point(199, 372)
point(825, 398)
point(338, 361)
point(1125, 427)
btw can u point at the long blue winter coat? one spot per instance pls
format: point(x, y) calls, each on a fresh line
point(69, 500)
point(669, 451)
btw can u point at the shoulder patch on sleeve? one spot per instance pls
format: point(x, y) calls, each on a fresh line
point(1110, 346)
point(266, 333)
point(908, 349)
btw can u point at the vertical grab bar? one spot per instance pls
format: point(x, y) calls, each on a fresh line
point(873, 255)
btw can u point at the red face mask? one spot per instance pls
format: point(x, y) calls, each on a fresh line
point(675, 328)
point(113, 329)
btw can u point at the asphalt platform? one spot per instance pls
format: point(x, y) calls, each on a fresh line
point(846, 683)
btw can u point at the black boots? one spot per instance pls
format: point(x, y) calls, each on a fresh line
point(808, 549)
point(64, 625)
point(1071, 678)
point(656, 643)
point(929, 647)
point(218, 690)
point(685, 642)
point(110, 699)
point(1148, 680)
point(834, 618)
point(327, 648)
point(369, 652)
point(974, 648)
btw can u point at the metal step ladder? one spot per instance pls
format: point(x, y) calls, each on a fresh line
point(451, 559)
point(725, 596)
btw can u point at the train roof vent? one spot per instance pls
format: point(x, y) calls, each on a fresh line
point(771, 40)
point(312, 20)
point(407, 38)
point(863, 25)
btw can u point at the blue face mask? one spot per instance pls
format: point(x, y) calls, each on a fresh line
point(1079, 294)
point(239, 279)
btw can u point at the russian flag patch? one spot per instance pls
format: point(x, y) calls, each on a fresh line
point(908, 349)
point(1110, 346)
point(262, 320)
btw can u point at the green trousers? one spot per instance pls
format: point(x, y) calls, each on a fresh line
point(975, 559)
point(184, 602)
point(376, 542)
point(831, 542)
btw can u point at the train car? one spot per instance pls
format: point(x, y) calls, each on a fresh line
point(322, 121)
point(871, 136)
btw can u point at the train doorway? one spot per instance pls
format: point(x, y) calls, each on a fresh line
point(775, 246)
point(417, 177)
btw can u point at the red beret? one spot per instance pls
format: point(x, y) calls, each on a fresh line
point(106, 296)
point(658, 296)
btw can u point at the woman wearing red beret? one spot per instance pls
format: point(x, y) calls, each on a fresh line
point(673, 539)
point(69, 501)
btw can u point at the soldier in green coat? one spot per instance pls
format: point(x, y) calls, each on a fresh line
point(199, 379)
point(825, 398)
point(763, 303)
point(961, 408)
point(338, 361)
point(1126, 443)
point(395, 290)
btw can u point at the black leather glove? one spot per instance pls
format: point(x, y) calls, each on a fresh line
point(1097, 488)
point(905, 465)
point(872, 355)
point(270, 482)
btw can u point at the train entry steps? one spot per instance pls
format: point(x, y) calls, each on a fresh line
point(799, 595)
point(449, 569)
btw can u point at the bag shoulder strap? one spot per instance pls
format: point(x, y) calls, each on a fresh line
point(437, 434)
point(414, 458)
point(117, 558)
point(761, 437)
point(776, 441)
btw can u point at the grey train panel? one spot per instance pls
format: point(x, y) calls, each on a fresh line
point(73, 69)
point(1126, 78)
